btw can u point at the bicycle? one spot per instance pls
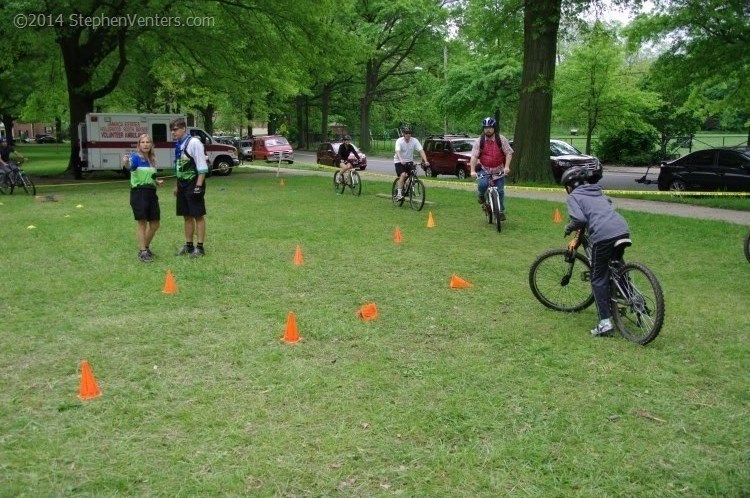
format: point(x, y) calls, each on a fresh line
point(560, 280)
point(414, 189)
point(747, 247)
point(348, 178)
point(16, 178)
point(492, 206)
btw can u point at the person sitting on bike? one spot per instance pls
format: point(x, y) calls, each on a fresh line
point(493, 153)
point(344, 156)
point(589, 208)
point(404, 157)
point(6, 165)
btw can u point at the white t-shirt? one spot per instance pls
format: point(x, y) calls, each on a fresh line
point(406, 149)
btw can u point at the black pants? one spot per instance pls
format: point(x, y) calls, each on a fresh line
point(601, 253)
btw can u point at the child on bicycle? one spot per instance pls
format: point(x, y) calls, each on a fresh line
point(589, 208)
point(344, 156)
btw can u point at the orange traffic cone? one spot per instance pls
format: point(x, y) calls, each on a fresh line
point(430, 221)
point(557, 218)
point(368, 312)
point(291, 335)
point(459, 283)
point(88, 389)
point(170, 287)
point(397, 236)
point(281, 183)
point(298, 258)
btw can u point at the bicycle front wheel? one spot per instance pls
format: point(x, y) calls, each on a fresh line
point(4, 184)
point(560, 284)
point(355, 183)
point(487, 207)
point(495, 198)
point(637, 303)
point(27, 183)
point(394, 191)
point(417, 194)
point(338, 182)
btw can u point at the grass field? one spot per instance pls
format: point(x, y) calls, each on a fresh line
point(473, 392)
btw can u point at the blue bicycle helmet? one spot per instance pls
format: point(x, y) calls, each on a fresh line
point(489, 122)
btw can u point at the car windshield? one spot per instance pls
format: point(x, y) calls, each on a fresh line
point(463, 145)
point(562, 149)
point(246, 143)
point(271, 142)
point(336, 146)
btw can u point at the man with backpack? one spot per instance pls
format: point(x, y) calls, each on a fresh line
point(190, 170)
point(493, 153)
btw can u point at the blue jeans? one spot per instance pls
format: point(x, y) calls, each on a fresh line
point(483, 182)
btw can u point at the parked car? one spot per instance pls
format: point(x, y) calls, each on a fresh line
point(564, 156)
point(448, 155)
point(45, 139)
point(273, 148)
point(245, 149)
point(326, 154)
point(709, 169)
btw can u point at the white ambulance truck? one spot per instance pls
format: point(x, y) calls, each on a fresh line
point(106, 137)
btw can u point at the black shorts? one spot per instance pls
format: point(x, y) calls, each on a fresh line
point(404, 168)
point(145, 204)
point(189, 204)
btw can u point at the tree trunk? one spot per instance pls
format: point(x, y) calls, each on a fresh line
point(365, 105)
point(207, 114)
point(325, 98)
point(8, 122)
point(299, 104)
point(532, 133)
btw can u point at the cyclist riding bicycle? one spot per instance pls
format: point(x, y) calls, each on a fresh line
point(493, 153)
point(344, 159)
point(589, 208)
point(404, 158)
point(6, 165)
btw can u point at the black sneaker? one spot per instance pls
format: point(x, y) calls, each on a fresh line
point(145, 257)
point(198, 252)
point(186, 249)
point(150, 253)
point(502, 216)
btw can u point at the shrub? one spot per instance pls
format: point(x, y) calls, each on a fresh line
point(628, 146)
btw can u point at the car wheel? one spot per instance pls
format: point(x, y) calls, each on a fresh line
point(677, 186)
point(461, 173)
point(222, 166)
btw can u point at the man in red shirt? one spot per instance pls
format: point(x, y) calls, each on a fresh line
point(493, 153)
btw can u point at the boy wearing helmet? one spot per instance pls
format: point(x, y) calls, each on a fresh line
point(404, 158)
point(493, 153)
point(589, 208)
point(344, 154)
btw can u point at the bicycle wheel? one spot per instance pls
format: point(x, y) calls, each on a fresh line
point(560, 284)
point(394, 191)
point(417, 194)
point(338, 182)
point(495, 198)
point(355, 183)
point(637, 303)
point(27, 183)
point(747, 247)
point(488, 207)
point(4, 184)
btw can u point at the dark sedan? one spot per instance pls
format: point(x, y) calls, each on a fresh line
point(326, 154)
point(709, 169)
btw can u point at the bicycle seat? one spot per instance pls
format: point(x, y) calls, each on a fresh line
point(624, 242)
point(619, 248)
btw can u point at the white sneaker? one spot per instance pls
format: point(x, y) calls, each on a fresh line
point(603, 329)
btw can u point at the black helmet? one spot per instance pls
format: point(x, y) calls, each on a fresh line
point(489, 122)
point(574, 177)
point(406, 129)
point(346, 137)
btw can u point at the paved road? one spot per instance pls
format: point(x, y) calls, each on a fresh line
point(615, 178)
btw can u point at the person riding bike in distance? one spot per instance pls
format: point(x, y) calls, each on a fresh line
point(493, 153)
point(589, 208)
point(344, 156)
point(404, 158)
point(6, 165)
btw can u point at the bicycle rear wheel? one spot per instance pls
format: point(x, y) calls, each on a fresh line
point(27, 183)
point(495, 198)
point(637, 303)
point(338, 182)
point(355, 183)
point(747, 247)
point(5, 184)
point(417, 194)
point(560, 284)
point(394, 191)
